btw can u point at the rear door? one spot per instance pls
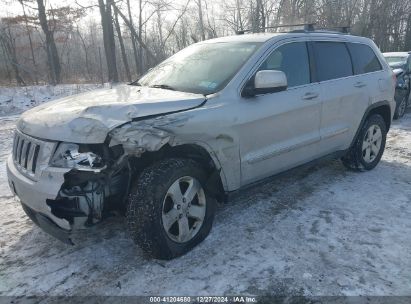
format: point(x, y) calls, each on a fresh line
point(344, 95)
point(368, 71)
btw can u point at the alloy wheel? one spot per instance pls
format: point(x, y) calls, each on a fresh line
point(402, 107)
point(184, 209)
point(371, 143)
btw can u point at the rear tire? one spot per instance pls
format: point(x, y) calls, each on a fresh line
point(367, 150)
point(169, 211)
point(401, 107)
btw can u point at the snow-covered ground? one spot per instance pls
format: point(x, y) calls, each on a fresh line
point(15, 100)
point(316, 230)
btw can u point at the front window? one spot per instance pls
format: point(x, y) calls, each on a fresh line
point(201, 68)
point(292, 59)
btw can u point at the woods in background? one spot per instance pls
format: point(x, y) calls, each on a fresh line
point(118, 40)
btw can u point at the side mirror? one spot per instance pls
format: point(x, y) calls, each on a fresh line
point(398, 71)
point(266, 81)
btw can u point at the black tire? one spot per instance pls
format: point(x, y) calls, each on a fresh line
point(401, 107)
point(354, 159)
point(145, 205)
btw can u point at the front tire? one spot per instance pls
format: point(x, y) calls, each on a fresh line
point(369, 146)
point(169, 211)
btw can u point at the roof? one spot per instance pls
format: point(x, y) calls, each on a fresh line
point(263, 37)
point(257, 37)
point(396, 54)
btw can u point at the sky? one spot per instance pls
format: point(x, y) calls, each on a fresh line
point(13, 7)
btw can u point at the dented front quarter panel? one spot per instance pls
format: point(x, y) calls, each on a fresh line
point(207, 126)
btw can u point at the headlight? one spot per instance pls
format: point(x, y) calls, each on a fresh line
point(67, 155)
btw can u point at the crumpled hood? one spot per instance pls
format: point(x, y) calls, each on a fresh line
point(88, 117)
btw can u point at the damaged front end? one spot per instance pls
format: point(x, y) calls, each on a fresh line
point(67, 186)
point(73, 159)
point(76, 185)
point(96, 184)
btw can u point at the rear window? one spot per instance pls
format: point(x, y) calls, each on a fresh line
point(364, 59)
point(332, 60)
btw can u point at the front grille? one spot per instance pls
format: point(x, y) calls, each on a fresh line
point(26, 151)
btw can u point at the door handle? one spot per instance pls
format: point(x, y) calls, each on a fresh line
point(310, 95)
point(359, 84)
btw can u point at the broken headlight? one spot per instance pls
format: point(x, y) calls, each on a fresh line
point(67, 155)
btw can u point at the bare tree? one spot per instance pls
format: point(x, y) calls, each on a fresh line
point(9, 48)
point(200, 20)
point(28, 30)
point(50, 45)
point(122, 48)
point(144, 32)
point(407, 45)
point(108, 38)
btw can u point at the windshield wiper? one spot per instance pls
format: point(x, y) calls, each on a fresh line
point(163, 86)
point(135, 83)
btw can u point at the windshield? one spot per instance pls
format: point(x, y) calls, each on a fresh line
point(201, 68)
point(396, 60)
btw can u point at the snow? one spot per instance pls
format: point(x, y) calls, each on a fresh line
point(316, 230)
point(15, 100)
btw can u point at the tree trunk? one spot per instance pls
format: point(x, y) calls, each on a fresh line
point(239, 19)
point(101, 66)
point(122, 48)
point(51, 49)
point(407, 46)
point(83, 43)
point(133, 40)
point(33, 58)
point(108, 39)
point(200, 19)
point(136, 35)
point(140, 34)
point(10, 51)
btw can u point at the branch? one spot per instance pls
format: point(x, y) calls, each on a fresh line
point(175, 23)
point(134, 33)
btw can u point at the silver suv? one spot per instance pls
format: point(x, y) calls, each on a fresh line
point(213, 118)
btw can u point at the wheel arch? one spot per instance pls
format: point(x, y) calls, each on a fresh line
point(382, 108)
point(216, 182)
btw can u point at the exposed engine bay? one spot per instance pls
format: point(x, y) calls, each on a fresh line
point(95, 185)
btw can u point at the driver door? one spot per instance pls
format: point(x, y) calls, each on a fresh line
point(281, 130)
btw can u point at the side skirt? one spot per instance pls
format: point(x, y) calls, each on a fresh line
point(232, 195)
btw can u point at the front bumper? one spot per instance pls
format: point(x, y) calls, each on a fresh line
point(48, 225)
point(34, 194)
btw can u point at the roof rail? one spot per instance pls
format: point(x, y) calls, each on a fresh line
point(307, 27)
point(345, 29)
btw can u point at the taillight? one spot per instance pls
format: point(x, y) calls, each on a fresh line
point(394, 79)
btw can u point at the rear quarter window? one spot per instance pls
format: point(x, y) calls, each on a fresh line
point(332, 60)
point(363, 58)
